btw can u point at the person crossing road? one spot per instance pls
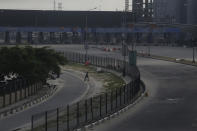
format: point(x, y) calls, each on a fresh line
point(86, 77)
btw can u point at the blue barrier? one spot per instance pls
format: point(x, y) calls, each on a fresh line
point(90, 30)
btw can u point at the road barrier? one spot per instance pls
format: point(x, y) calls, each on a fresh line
point(84, 112)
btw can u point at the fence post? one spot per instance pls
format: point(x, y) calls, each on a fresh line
point(10, 93)
point(77, 113)
point(57, 119)
point(46, 126)
point(4, 96)
point(28, 90)
point(111, 100)
point(68, 126)
point(91, 106)
point(15, 92)
point(100, 101)
point(21, 88)
point(106, 102)
point(31, 86)
point(24, 84)
point(124, 94)
point(130, 91)
point(32, 123)
point(96, 60)
point(86, 111)
point(114, 64)
point(120, 96)
point(116, 98)
point(101, 59)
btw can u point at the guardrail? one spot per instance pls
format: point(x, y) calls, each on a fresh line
point(16, 90)
point(87, 111)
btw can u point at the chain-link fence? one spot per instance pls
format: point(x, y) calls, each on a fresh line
point(16, 90)
point(95, 108)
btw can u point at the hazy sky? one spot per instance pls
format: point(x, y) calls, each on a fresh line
point(66, 4)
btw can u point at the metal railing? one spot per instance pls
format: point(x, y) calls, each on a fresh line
point(16, 90)
point(95, 108)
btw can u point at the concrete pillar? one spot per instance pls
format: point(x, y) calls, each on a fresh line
point(61, 38)
point(29, 37)
point(52, 37)
point(7, 37)
point(18, 37)
point(40, 37)
point(64, 37)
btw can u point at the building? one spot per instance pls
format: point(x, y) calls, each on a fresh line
point(175, 11)
point(192, 12)
point(143, 10)
point(167, 11)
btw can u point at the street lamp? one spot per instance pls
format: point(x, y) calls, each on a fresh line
point(85, 38)
point(193, 46)
point(124, 45)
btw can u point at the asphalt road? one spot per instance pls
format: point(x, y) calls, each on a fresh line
point(171, 104)
point(175, 52)
point(73, 87)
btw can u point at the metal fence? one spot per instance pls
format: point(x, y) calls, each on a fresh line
point(16, 90)
point(95, 108)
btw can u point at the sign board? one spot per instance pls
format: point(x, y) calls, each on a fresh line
point(125, 50)
point(132, 58)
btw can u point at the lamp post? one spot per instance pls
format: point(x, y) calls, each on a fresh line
point(86, 47)
point(193, 46)
point(124, 45)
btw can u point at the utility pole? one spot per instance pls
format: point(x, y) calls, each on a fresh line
point(85, 38)
point(193, 46)
point(86, 32)
point(124, 45)
point(54, 5)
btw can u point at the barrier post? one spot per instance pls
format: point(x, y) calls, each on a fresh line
point(68, 126)
point(46, 124)
point(57, 119)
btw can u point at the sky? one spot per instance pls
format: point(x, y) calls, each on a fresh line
point(100, 5)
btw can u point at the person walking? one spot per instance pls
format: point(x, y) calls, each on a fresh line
point(86, 77)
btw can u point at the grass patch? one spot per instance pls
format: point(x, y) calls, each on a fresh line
point(110, 81)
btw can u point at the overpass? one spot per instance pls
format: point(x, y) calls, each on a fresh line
point(34, 26)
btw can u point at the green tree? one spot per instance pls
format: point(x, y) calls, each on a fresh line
point(30, 63)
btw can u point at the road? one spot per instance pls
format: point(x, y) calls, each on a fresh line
point(72, 88)
point(175, 52)
point(171, 104)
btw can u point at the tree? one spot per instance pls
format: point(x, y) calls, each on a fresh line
point(35, 64)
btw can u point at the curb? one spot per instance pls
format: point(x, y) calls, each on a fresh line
point(158, 58)
point(27, 104)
